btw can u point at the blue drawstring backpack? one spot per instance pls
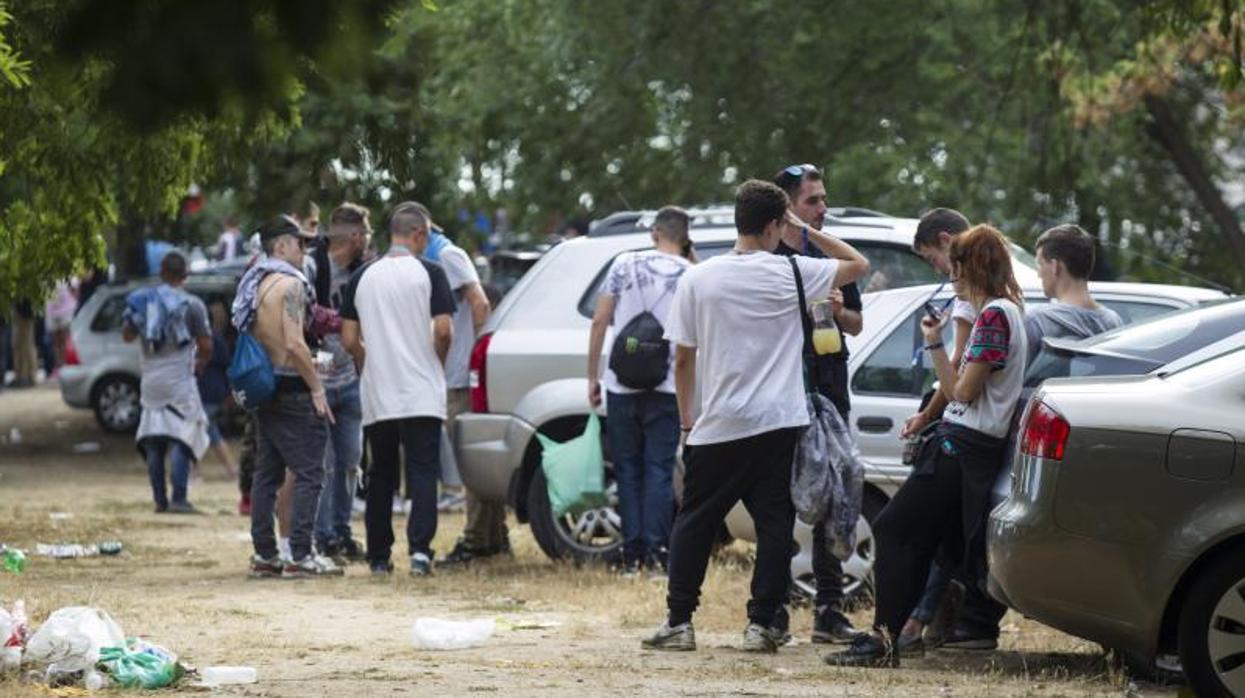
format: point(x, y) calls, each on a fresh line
point(250, 373)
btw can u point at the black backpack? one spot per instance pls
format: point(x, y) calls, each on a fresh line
point(640, 357)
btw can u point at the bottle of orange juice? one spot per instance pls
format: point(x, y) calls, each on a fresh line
point(826, 336)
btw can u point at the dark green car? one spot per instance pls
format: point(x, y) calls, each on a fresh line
point(1125, 523)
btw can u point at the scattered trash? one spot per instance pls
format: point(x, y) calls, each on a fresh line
point(140, 664)
point(66, 551)
point(574, 470)
point(60, 515)
point(15, 436)
point(439, 634)
point(94, 681)
point(86, 447)
point(110, 547)
point(527, 624)
point(229, 675)
point(69, 641)
point(13, 633)
point(14, 560)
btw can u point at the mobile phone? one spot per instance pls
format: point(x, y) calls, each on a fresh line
point(932, 311)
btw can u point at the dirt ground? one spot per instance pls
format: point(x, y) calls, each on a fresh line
point(181, 582)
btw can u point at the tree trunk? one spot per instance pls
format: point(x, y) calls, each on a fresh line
point(1167, 130)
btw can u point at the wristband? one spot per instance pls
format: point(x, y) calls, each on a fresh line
point(931, 347)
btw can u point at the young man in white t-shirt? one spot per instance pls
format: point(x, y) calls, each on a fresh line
point(739, 378)
point(396, 322)
point(643, 425)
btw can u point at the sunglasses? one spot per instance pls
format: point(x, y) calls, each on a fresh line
point(800, 170)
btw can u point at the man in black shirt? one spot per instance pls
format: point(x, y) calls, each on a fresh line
point(807, 191)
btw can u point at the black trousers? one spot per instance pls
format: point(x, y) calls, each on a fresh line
point(947, 498)
point(756, 470)
point(420, 441)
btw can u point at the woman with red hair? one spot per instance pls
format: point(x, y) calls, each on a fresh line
point(945, 501)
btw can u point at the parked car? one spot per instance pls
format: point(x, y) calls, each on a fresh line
point(103, 373)
point(506, 267)
point(528, 373)
point(1125, 523)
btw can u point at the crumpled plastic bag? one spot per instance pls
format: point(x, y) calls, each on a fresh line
point(827, 476)
point(140, 665)
point(575, 470)
point(440, 634)
point(70, 639)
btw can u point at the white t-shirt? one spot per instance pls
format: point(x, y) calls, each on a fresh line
point(394, 300)
point(742, 314)
point(461, 273)
point(961, 310)
point(998, 338)
point(644, 280)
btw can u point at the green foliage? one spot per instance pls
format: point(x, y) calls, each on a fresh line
point(14, 70)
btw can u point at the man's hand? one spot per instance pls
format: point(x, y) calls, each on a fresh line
point(836, 300)
point(791, 233)
point(914, 425)
point(321, 404)
point(594, 392)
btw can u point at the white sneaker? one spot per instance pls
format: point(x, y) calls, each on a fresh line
point(421, 565)
point(311, 566)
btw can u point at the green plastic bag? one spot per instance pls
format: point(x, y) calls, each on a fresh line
point(138, 669)
point(575, 470)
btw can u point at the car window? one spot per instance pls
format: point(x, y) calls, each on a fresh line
point(891, 266)
point(897, 366)
point(1137, 311)
point(588, 303)
point(108, 317)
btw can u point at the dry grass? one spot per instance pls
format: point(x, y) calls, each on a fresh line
point(181, 582)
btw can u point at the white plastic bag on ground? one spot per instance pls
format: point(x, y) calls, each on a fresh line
point(439, 634)
point(70, 639)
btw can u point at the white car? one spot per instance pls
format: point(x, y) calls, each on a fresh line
point(529, 371)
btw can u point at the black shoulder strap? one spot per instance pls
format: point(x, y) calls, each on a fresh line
point(806, 320)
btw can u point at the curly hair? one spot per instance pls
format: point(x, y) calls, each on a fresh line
point(985, 264)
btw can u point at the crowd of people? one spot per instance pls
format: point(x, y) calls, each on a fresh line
point(369, 354)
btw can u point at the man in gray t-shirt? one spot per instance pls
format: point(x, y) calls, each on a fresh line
point(1065, 256)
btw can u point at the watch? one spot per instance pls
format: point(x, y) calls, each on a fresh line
point(931, 347)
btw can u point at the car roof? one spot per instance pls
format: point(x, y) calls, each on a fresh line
point(1189, 295)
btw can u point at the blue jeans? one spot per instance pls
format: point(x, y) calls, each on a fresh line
point(155, 448)
point(340, 461)
point(643, 430)
point(212, 410)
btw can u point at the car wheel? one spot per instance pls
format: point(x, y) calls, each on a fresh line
point(117, 404)
point(857, 570)
point(593, 536)
point(1212, 629)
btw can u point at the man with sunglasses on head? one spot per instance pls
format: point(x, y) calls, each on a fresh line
point(806, 188)
point(273, 304)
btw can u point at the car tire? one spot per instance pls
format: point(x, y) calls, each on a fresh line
point(1211, 636)
point(117, 403)
point(594, 536)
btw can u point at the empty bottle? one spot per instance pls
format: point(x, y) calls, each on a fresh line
point(14, 560)
point(226, 675)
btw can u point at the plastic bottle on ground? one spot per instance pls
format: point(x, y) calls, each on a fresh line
point(14, 560)
point(226, 675)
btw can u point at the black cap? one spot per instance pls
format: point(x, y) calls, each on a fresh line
point(283, 225)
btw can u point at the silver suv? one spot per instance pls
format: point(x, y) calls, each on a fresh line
point(529, 372)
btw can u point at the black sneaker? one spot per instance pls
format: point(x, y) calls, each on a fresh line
point(961, 639)
point(867, 650)
point(381, 568)
point(464, 554)
point(832, 627)
point(352, 550)
point(630, 569)
point(182, 508)
point(910, 646)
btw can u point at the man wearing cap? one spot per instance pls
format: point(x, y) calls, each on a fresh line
point(273, 303)
point(807, 191)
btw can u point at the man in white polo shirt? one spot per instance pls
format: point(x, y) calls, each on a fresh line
point(735, 322)
point(396, 322)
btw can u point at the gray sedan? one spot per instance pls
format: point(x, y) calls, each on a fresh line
point(1125, 523)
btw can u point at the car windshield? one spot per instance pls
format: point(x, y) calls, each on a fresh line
point(1139, 348)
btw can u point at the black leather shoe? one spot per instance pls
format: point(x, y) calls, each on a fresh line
point(961, 639)
point(832, 627)
point(867, 650)
point(910, 646)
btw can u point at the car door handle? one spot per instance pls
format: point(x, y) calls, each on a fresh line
point(875, 425)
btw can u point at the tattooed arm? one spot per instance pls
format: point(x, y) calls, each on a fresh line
point(298, 354)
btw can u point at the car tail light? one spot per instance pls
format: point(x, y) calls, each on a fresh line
point(71, 353)
point(1044, 433)
point(479, 374)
